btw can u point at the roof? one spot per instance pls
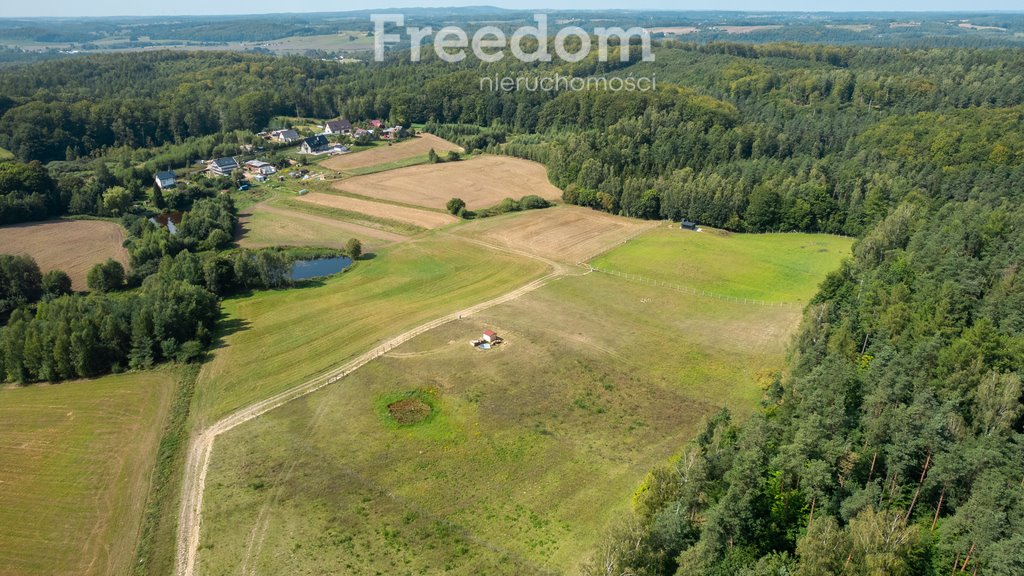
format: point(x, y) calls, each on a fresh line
point(165, 175)
point(257, 163)
point(287, 134)
point(490, 333)
point(225, 163)
point(338, 125)
point(317, 141)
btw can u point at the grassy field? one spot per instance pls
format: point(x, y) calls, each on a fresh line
point(772, 267)
point(278, 339)
point(534, 448)
point(73, 246)
point(481, 182)
point(75, 466)
point(269, 225)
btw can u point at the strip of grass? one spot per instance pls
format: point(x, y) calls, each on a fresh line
point(155, 553)
point(340, 192)
point(278, 339)
point(768, 267)
point(404, 163)
point(385, 224)
point(76, 460)
point(6, 155)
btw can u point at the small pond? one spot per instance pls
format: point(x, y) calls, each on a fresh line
point(306, 269)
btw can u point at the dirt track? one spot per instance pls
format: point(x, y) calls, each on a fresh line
point(197, 462)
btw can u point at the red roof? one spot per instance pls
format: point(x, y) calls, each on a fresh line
point(489, 333)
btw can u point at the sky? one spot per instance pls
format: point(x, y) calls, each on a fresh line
point(13, 8)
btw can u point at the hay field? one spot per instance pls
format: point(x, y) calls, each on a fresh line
point(535, 449)
point(385, 154)
point(266, 225)
point(75, 466)
point(73, 246)
point(416, 217)
point(481, 182)
point(565, 233)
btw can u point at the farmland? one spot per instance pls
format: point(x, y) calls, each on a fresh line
point(405, 214)
point(773, 267)
point(568, 234)
point(536, 445)
point(383, 154)
point(75, 465)
point(275, 340)
point(73, 246)
point(266, 225)
point(480, 182)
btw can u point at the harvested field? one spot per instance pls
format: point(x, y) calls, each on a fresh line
point(73, 246)
point(76, 460)
point(268, 225)
point(565, 233)
point(384, 154)
point(414, 216)
point(673, 30)
point(481, 182)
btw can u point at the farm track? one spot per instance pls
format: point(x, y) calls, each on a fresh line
point(197, 462)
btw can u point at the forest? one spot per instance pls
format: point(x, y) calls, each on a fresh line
point(891, 444)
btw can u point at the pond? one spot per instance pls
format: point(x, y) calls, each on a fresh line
point(306, 269)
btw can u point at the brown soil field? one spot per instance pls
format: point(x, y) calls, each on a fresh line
point(481, 182)
point(418, 146)
point(414, 216)
point(73, 246)
point(266, 225)
point(568, 234)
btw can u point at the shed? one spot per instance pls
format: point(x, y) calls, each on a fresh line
point(165, 179)
point(490, 336)
point(688, 225)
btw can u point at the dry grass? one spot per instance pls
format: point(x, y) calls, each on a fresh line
point(384, 154)
point(414, 216)
point(266, 225)
point(565, 233)
point(75, 466)
point(73, 246)
point(481, 182)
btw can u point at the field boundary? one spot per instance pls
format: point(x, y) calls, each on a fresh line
point(201, 448)
point(692, 291)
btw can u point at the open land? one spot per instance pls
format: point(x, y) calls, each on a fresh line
point(75, 466)
point(388, 154)
point(73, 246)
point(408, 215)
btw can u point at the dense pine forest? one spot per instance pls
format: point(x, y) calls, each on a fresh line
point(894, 441)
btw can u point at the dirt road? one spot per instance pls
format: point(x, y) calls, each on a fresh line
point(201, 447)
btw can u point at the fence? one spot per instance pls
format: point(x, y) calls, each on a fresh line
point(690, 290)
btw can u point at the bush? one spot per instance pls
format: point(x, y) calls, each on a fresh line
point(354, 248)
point(56, 283)
point(106, 276)
point(455, 205)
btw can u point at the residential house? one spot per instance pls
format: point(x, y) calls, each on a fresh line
point(314, 144)
point(223, 166)
point(165, 179)
point(286, 136)
point(343, 127)
point(260, 167)
point(377, 123)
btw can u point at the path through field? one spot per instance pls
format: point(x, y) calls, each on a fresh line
point(198, 460)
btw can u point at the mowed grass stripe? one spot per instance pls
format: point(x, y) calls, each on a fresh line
point(75, 463)
point(281, 338)
point(768, 267)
